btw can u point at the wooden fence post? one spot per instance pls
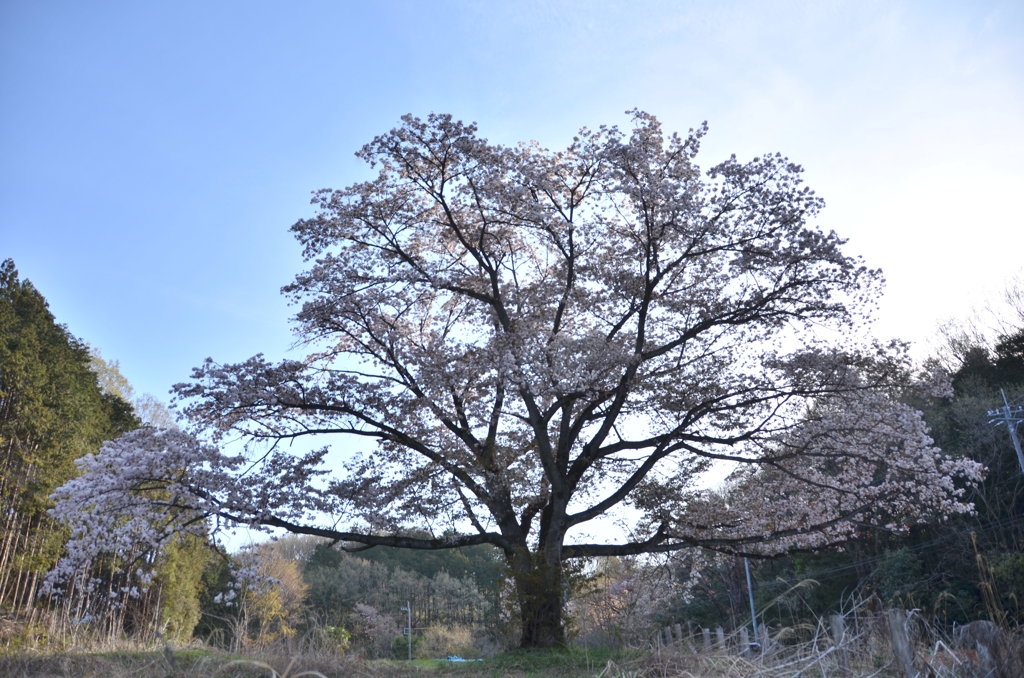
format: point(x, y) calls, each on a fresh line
point(838, 628)
point(901, 647)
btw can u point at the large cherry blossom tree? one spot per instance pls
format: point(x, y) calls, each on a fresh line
point(536, 340)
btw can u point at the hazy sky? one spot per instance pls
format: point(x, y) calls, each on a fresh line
point(153, 155)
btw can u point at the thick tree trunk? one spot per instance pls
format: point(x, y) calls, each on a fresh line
point(540, 590)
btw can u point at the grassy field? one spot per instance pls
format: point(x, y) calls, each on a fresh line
point(866, 654)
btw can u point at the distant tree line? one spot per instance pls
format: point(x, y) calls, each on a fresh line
point(318, 586)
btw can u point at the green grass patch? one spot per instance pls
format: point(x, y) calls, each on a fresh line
point(555, 663)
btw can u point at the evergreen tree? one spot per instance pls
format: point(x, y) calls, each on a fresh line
point(51, 412)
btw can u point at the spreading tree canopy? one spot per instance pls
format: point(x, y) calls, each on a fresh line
point(535, 340)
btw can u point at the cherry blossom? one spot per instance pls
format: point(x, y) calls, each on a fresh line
point(535, 340)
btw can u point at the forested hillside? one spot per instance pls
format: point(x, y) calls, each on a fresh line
point(52, 412)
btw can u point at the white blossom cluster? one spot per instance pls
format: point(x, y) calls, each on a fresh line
point(863, 460)
point(151, 485)
point(248, 577)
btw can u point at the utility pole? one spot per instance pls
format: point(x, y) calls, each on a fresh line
point(408, 628)
point(1011, 416)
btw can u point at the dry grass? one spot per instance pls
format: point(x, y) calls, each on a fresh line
point(211, 664)
point(190, 663)
point(865, 649)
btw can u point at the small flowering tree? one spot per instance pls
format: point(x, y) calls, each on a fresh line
point(536, 340)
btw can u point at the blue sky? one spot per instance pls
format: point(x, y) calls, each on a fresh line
point(153, 155)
